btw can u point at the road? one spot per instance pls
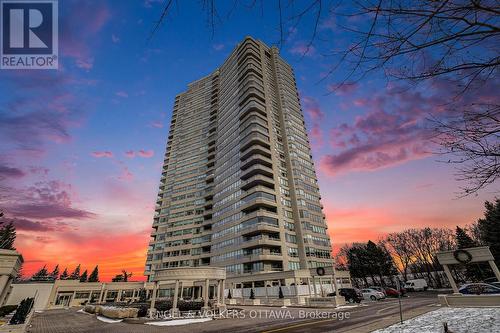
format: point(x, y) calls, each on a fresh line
point(364, 318)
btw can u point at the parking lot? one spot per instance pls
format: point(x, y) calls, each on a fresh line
point(367, 316)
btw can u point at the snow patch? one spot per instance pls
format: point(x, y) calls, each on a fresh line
point(460, 320)
point(177, 322)
point(109, 320)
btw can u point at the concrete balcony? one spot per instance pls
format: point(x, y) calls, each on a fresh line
point(260, 241)
point(253, 106)
point(257, 180)
point(251, 93)
point(255, 170)
point(258, 202)
point(256, 150)
point(254, 138)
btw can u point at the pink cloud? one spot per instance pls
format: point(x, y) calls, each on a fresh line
point(393, 130)
point(126, 175)
point(77, 43)
point(218, 47)
point(122, 94)
point(316, 135)
point(130, 154)
point(302, 49)
point(44, 200)
point(101, 154)
point(157, 124)
point(343, 89)
point(312, 108)
point(145, 153)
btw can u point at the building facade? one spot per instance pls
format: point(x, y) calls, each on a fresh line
point(238, 186)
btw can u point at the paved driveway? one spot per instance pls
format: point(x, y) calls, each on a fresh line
point(365, 318)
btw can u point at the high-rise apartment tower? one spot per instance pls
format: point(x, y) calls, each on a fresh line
point(238, 187)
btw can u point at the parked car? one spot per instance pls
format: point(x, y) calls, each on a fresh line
point(372, 294)
point(478, 289)
point(490, 279)
point(391, 292)
point(416, 285)
point(377, 288)
point(496, 284)
point(351, 295)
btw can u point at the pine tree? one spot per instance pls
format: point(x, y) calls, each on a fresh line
point(41, 275)
point(463, 240)
point(76, 273)
point(7, 237)
point(55, 272)
point(94, 276)
point(84, 276)
point(252, 294)
point(489, 227)
point(473, 271)
point(64, 275)
point(280, 293)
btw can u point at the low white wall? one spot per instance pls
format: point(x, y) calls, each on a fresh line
point(25, 290)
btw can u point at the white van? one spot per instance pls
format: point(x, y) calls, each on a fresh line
point(416, 285)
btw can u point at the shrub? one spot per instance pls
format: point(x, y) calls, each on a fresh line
point(181, 305)
point(6, 309)
point(22, 311)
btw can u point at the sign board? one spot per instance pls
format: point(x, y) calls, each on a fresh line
point(469, 255)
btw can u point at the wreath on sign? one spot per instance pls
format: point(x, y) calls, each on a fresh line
point(462, 256)
point(320, 271)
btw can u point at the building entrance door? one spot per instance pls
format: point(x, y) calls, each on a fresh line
point(64, 300)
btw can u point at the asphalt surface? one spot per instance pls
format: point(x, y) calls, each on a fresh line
point(364, 318)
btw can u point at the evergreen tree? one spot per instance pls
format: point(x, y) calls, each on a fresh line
point(41, 275)
point(7, 236)
point(64, 275)
point(473, 271)
point(463, 240)
point(229, 296)
point(76, 273)
point(489, 227)
point(84, 276)
point(94, 276)
point(22, 311)
point(252, 294)
point(280, 293)
point(55, 272)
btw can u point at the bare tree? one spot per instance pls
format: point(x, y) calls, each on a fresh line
point(472, 141)
point(398, 244)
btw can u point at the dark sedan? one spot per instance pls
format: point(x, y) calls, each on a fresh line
point(351, 295)
point(479, 289)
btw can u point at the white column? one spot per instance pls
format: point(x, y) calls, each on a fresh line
point(176, 295)
point(182, 290)
point(223, 287)
point(206, 292)
point(153, 299)
point(314, 286)
point(495, 269)
point(450, 278)
point(296, 286)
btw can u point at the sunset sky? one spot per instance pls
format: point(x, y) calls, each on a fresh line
point(81, 148)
